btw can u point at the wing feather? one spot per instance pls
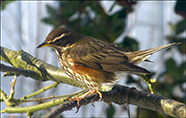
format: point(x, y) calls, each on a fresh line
point(102, 56)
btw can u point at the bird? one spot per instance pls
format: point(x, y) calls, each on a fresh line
point(93, 61)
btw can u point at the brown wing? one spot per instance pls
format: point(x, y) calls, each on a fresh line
point(103, 56)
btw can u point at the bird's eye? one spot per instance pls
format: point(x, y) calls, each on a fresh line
point(57, 41)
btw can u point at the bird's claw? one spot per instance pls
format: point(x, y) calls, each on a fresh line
point(78, 99)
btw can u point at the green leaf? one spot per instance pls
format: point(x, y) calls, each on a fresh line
point(51, 11)
point(174, 73)
point(5, 3)
point(121, 13)
point(51, 21)
point(180, 26)
point(172, 26)
point(112, 6)
point(182, 46)
point(180, 8)
point(180, 76)
point(130, 44)
point(96, 7)
point(170, 64)
point(182, 67)
point(110, 111)
point(117, 25)
point(61, 116)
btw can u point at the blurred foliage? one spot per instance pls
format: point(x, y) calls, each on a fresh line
point(110, 111)
point(180, 8)
point(174, 74)
point(129, 44)
point(4, 3)
point(146, 113)
point(90, 18)
point(178, 31)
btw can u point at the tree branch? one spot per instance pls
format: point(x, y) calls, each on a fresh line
point(42, 71)
point(119, 94)
point(35, 68)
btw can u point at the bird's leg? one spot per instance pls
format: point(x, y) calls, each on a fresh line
point(100, 95)
point(128, 110)
point(127, 100)
point(138, 110)
point(78, 99)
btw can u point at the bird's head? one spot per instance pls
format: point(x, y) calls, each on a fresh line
point(61, 38)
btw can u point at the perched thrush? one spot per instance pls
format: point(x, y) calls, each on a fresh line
point(92, 61)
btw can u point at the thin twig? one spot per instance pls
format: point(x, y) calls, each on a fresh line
point(45, 72)
point(55, 97)
point(38, 92)
point(119, 95)
point(12, 91)
point(17, 71)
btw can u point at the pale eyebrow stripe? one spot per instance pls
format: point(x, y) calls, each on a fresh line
point(62, 35)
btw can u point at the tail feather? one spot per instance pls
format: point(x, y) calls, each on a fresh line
point(139, 56)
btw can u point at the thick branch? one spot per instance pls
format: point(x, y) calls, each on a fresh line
point(17, 71)
point(44, 72)
point(34, 68)
point(119, 94)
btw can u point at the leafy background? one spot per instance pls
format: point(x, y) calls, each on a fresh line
point(90, 18)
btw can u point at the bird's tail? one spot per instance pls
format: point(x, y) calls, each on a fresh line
point(139, 56)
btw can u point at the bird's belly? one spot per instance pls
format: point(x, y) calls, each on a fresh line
point(94, 79)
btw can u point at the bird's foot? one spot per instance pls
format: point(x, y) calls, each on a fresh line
point(78, 99)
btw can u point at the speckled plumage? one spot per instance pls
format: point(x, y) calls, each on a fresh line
point(93, 61)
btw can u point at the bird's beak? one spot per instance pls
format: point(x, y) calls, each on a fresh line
point(43, 45)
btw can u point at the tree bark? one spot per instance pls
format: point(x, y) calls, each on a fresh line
point(26, 65)
point(119, 94)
